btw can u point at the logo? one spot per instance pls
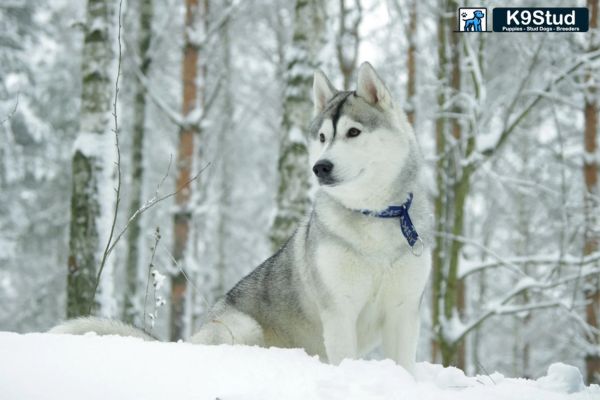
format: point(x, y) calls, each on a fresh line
point(547, 19)
point(471, 19)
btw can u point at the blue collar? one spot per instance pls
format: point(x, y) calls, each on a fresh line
point(406, 225)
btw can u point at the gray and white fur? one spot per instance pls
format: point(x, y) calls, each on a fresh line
point(344, 282)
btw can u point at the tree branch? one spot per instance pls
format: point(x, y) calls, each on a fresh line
point(118, 164)
point(12, 113)
point(154, 201)
point(504, 135)
point(531, 260)
point(525, 285)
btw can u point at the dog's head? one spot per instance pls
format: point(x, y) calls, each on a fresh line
point(478, 14)
point(359, 142)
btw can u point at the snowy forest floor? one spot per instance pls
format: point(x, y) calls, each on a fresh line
point(44, 366)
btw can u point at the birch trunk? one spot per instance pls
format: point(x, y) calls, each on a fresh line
point(90, 196)
point(348, 40)
point(453, 353)
point(302, 59)
point(440, 199)
point(145, 11)
point(224, 146)
point(454, 181)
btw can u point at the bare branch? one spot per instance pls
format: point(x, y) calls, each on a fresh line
point(504, 135)
point(157, 238)
point(152, 202)
point(465, 240)
point(531, 260)
point(179, 269)
point(12, 113)
point(527, 284)
point(118, 164)
point(174, 116)
point(216, 27)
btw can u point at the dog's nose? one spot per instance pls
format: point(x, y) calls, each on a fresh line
point(323, 168)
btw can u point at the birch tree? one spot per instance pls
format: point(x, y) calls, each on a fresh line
point(453, 187)
point(92, 188)
point(36, 143)
point(459, 181)
point(225, 161)
point(459, 123)
point(145, 12)
point(301, 61)
point(348, 39)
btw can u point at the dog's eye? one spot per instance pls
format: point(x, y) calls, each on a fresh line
point(322, 137)
point(353, 132)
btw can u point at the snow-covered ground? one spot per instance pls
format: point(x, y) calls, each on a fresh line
point(43, 366)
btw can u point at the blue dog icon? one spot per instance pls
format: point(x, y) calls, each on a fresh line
point(474, 24)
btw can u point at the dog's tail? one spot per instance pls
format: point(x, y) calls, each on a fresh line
point(100, 326)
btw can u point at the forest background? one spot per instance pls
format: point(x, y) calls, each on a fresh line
point(213, 174)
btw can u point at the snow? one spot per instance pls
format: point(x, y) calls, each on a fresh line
point(591, 158)
point(296, 135)
point(44, 366)
point(453, 328)
point(158, 279)
point(562, 378)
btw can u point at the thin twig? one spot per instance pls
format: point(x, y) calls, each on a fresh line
point(530, 286)
point(186, 277)
point(118, 163)
point(150, 266)
point(534, 259)
point(152, 202)
point(175, 117)
point(488, 153)
point(12, 113)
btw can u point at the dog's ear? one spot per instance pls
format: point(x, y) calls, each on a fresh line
point(323, 91)
point(371, 88)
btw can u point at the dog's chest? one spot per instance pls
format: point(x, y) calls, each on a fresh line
point(371, 273)
point(379, 239)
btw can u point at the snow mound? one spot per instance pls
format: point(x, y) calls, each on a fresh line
point(44, 366)
point(562, 378)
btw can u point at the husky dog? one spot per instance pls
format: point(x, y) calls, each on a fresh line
point(353, 274)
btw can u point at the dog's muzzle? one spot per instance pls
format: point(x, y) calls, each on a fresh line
point(323, 170)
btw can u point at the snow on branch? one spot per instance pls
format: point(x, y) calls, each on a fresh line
point(12, 112)
point(199, 38)
point(173, 115)
point(194, 119)
point(154, 201)
point(534, 259)
point(496, 256)
point(510, 127)
point(500, 307)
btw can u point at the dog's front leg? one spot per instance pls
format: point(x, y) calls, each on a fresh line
point(339, 335)
point(401, 333)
